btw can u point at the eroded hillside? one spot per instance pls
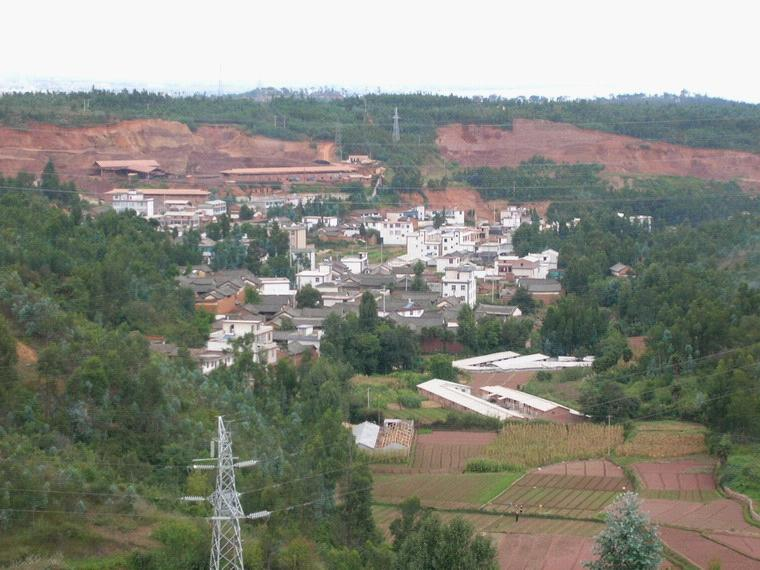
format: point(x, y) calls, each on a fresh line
point(473, 145)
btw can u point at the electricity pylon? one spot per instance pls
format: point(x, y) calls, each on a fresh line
point(396, 131)
point(226, 542)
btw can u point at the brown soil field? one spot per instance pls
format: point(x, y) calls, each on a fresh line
point(442, 452)
point(703, 552)
point(718, 515)
point(179, 150)
point(544, 552)
point(508, 379)
point(456, 438)
point(748, 545)
point(690, 475)
point(591, 468)
point(472, 145)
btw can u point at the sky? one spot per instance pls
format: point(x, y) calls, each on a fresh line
point(543, 47)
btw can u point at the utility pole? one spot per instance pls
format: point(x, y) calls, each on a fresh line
point(339, 141)
point(368, 397)
point(396, 131)
point(609, 429)
point(226, 542)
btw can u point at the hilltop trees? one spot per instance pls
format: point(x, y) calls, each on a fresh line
point(630, 541)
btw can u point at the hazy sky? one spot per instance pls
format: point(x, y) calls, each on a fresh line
point(552, 48)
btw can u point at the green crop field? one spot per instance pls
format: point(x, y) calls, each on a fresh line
point(446, 490)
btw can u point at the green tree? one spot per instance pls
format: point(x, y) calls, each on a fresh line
point(439, 219)
point(523, 300)
point(439, 366)
point(308, 297)
point(432, 545)
point(467, 330)
point(246, 213)
point(368, 312)
point(418, 283)
point(8, 355)
point(630, 541)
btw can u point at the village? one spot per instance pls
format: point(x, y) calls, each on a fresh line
point(425, 266)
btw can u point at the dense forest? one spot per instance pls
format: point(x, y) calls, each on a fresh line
point(97, 430)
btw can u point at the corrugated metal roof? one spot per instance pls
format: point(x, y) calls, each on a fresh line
point(452, 392)
point(485, 359)
point(366, 434)
point(323, 169)
point(530, 400)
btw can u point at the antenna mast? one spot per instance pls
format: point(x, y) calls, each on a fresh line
point(396, 131)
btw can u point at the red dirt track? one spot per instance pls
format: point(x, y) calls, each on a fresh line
point(472, 145)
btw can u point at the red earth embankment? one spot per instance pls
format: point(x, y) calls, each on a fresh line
point(474, 145)
point(180, 151)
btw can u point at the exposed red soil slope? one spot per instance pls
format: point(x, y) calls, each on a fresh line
point(179, 150)
point(472, 145)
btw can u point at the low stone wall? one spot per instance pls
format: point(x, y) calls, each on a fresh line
point(744, 499)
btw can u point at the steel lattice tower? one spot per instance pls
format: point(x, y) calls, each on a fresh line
point(226, 544)
point(396, 131)
point(226, 541)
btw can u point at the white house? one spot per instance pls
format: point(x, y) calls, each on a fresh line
point(323, 274)
point(220, 350)
point(358, 263)
point(454, 217)
point(213, 208)
point(275, 286)
point(513, 217)
point(326, 221)
point(460, 282)
point(449, 260)
point(135, 201)
point(393, 230)
point(430, 243)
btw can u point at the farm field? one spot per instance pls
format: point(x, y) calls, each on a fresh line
point(665, 439)
point(442, 452)
point(445, 490)
point(556, 492)
point(704, 552)
point(533, 445)
point(718, 515)
point(687, 480)
point(544, 551)
point(448, 451)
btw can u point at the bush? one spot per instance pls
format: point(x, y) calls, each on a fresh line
point(409, 399)
point(460, 420)
point(488, 466)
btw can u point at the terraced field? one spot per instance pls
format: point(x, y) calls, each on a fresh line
point(555, 492)
point(687, 480)
point(442, 452)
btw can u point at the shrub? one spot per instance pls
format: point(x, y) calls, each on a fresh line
point(488, 466)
